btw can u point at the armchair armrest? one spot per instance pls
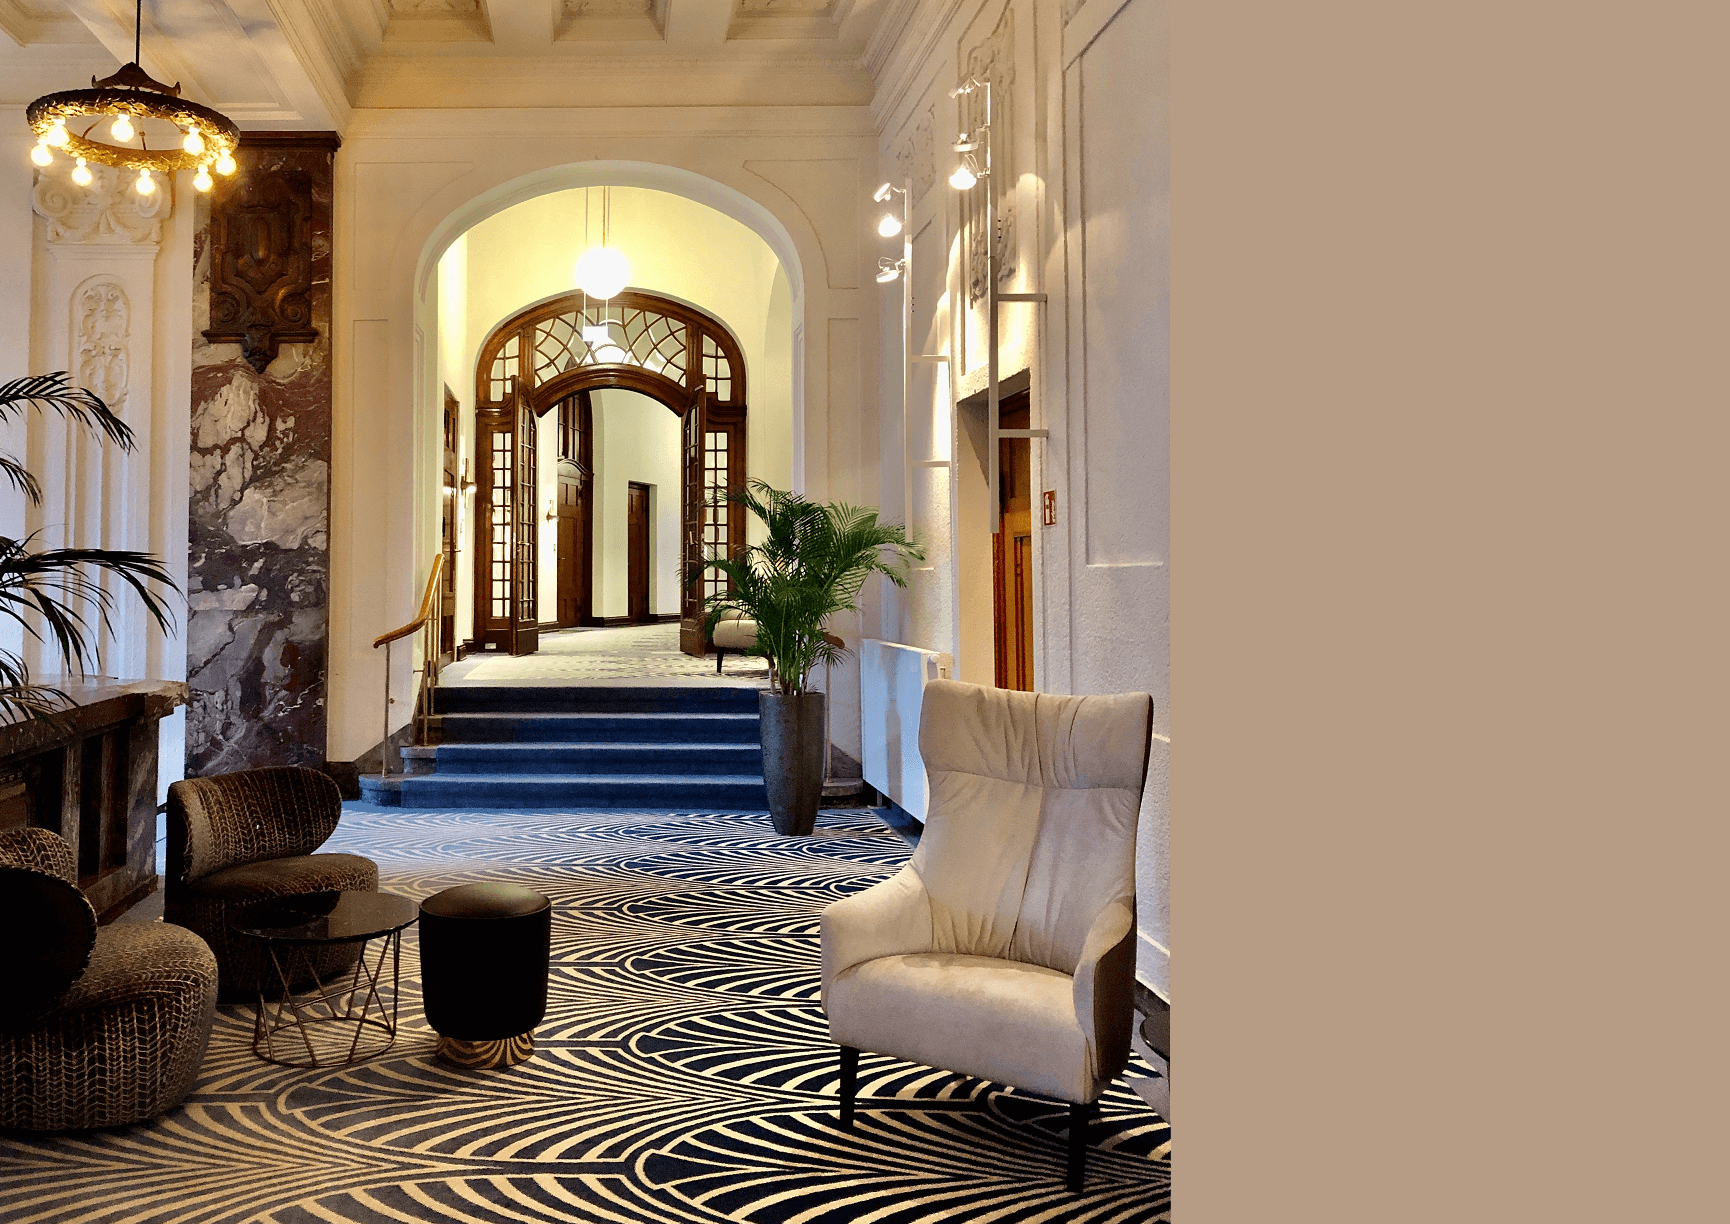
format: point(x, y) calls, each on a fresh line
point(1105, 990)
point(890, 918)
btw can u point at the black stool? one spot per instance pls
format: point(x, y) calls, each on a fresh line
point(484, 951)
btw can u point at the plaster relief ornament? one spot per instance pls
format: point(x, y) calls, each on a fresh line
point(992, 60)
point(107, 212)
point(101, 329)
point(916, 159)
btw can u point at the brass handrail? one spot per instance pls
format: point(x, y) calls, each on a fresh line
point(429, 621)
point(425, 606)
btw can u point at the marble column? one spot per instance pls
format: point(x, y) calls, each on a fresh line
point(259, 563)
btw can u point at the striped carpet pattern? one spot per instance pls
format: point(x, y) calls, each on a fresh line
point(683, 1072)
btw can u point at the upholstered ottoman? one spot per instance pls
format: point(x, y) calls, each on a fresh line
point(484, 951)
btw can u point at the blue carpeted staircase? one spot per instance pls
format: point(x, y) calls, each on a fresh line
point(587, 747)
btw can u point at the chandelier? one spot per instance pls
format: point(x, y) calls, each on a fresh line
point(203, 138)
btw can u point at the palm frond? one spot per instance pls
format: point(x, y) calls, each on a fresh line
point(812, 564)
point(63, 587)
point(55, 391)
point(21, 699)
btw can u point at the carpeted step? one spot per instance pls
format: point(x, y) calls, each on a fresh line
point(496, 727)
point(582, 792)
point(605, 758)
point(595, 699)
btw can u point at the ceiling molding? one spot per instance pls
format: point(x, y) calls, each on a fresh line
point(904, 64)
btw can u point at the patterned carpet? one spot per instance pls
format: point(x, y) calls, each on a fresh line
point(682, 1074)
point(620, 652)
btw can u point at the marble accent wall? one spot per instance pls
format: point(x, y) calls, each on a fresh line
point(259, 564)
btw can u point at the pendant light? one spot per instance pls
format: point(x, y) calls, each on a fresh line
point(601, 271)
point(206, 137)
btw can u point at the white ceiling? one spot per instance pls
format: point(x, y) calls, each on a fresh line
point(309, 63)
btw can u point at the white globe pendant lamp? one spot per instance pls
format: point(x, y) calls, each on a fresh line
point(603, 270)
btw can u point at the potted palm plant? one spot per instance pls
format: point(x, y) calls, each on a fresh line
point(811, 565)
point(58, 593)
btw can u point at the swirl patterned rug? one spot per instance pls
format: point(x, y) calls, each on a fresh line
point(682, 1074)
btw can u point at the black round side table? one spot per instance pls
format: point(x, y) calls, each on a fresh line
point(484, 953)
point(343, 1021)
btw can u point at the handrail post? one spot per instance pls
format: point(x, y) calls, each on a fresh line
point(384, 744)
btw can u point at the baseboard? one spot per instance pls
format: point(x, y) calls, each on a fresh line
point(608, 622)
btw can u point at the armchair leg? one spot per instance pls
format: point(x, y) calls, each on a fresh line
point(849, 1084)
point(1079, 1117)
point(719, 655)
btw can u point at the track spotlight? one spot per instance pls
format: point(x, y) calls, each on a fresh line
point(965, 175)
point(882, 193)
point(889, 225)
point(888, 270)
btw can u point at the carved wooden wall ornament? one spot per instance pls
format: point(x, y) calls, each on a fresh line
point(261, 263)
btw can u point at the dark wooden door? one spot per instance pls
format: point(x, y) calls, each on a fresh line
point(573, 574)
point(574, 505)
point(637, 547)
point(1012, 552)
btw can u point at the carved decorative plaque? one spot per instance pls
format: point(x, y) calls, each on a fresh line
point(261, 264)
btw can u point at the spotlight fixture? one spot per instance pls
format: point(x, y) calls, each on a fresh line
point(889, 225)
point(966, 174)
point(882, 193)
point(131, 94)
point(888, 270)
point(965, 144)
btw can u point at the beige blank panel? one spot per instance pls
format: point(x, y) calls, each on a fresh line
point(1125, 304)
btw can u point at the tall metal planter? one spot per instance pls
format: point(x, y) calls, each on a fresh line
point(792, 759)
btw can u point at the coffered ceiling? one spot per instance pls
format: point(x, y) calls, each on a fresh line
point(310, 63)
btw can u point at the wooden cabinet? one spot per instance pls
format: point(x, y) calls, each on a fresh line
point(90, 776)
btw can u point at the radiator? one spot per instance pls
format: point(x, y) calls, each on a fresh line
point(891, 689)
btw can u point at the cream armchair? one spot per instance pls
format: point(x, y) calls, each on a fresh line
point(1006, 948)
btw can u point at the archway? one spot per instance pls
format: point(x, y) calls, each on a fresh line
point(671, 352)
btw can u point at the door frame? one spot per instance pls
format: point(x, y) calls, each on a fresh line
point(683, 358)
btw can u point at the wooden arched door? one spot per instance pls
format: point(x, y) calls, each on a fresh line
point(667, 350)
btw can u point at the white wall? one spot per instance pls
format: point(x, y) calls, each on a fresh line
point(1083, 144)
point(637, 439)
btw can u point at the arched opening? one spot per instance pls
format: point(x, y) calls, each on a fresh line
point(555, 354)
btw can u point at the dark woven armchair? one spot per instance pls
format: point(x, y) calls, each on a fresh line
point(240, 838)
point(99, 1026)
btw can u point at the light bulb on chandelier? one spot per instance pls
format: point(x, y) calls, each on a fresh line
point(225, 164)
point(145, 184)
point(56, 135)
point(202, 179)
point(81, 174)
point(41, 155)
point(123, 130)
point(194, 143)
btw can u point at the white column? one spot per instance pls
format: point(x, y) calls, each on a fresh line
point(96, 317)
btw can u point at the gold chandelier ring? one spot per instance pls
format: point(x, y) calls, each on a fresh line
point(218, 131)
